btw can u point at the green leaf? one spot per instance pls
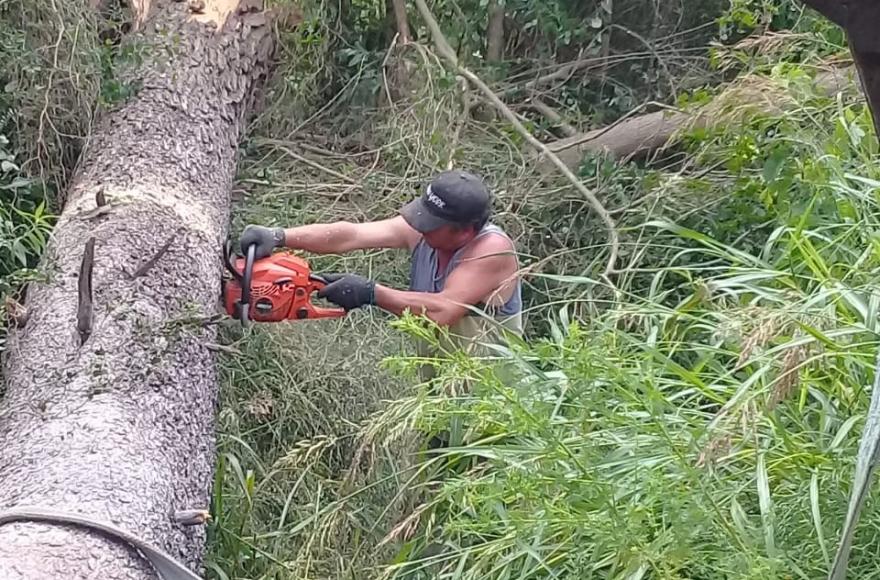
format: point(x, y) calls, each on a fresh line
point(817, 516)
point(843, 432)
point(765, 502)
point(773, 165)
point(20, 252)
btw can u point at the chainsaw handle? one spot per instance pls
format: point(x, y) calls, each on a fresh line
point(318, 283)
point(246, 278)
point(319, 312)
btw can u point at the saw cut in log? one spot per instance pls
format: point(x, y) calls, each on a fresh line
point(641, 135)
point(110, 399)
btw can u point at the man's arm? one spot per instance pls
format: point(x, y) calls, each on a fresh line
point(490, 265)
point(343, 236)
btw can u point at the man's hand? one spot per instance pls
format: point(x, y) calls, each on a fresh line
point(349, 291)
point(266, 240)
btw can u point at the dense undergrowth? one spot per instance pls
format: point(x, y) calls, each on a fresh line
point(699, 419)
point(706, 428)
point(702, 424)
point(50, 83)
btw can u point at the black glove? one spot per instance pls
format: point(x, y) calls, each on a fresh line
point(348, 290)
point(266, 240)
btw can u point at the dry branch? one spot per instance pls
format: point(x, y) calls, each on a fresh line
point(145, 268)
point(446, 52)
point(553, 115)
point(84, 310)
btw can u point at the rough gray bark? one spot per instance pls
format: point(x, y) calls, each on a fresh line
point(121, 427)
point(643, 134)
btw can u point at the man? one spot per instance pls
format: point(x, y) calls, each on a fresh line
point(459, 259)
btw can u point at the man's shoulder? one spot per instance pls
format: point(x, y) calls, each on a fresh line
point(491, 243)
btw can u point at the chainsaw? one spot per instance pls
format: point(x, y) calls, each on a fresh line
point(272, 289)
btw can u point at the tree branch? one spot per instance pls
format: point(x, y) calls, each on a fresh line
point(446, 52)
point(399, 7)
point(148, 265)
point(495, 32)
point(638, 133)
point(553, 115)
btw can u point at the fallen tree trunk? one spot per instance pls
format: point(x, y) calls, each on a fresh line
point(111, 386)
point(641, 135)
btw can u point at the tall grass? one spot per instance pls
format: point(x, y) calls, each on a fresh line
point(703, 424)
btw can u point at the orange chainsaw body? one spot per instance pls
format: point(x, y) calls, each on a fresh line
point(281, 288)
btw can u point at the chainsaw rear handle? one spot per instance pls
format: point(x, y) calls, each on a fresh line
point(318, 283)
point(227, 259)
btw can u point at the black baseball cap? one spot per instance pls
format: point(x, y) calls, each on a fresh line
point(451, 198)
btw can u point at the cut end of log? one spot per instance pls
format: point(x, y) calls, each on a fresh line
point(217, 12)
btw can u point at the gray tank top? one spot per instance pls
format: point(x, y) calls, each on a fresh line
point(424, 276)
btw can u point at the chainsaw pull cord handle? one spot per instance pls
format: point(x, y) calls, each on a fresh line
point(247, 276)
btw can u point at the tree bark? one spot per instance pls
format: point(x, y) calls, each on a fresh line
point(860, 20)
point(399, 7)
point(643, 134)
point(495, 32)
point(110, 391)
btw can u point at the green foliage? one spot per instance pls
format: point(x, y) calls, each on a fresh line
point(114, 88)
point(25, 225)
point(704, 426)
point(745, 16)
point(291, 402)
point(49, 84)
point(699, 422)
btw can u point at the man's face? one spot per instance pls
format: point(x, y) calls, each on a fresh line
point(448, 238)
